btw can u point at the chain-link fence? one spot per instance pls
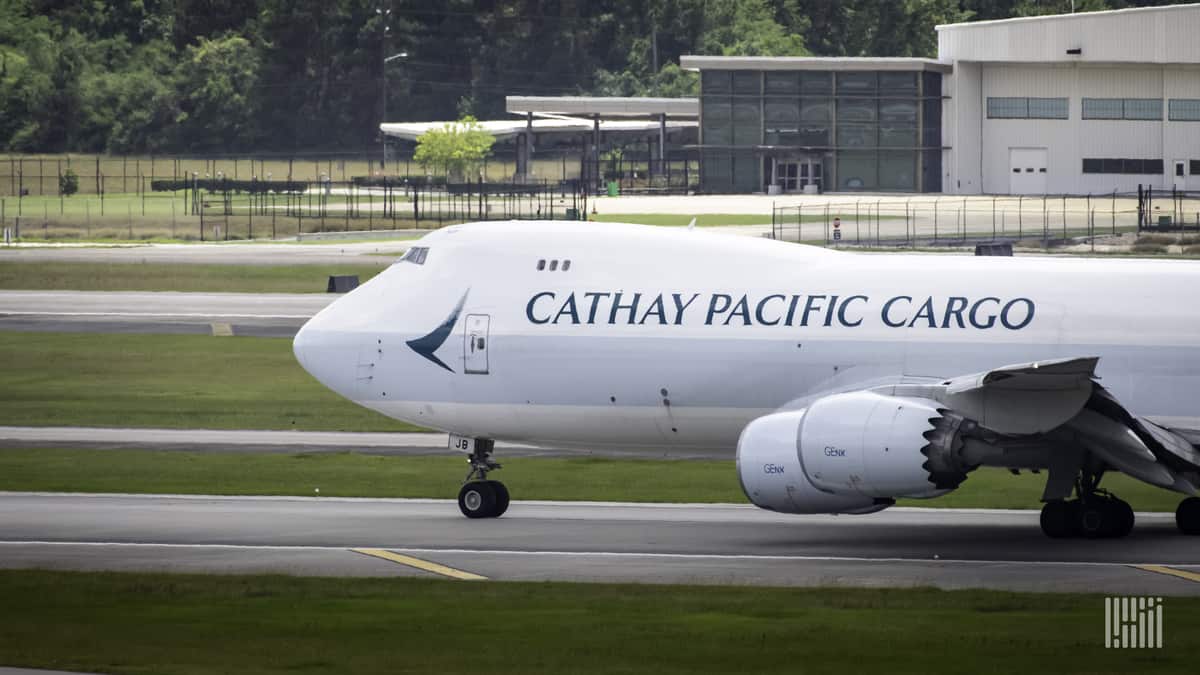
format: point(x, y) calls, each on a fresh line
point(934, 220)
point(223, 208)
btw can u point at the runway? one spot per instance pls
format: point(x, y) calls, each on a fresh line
point(537, 541)
point(291, 442)
point(249, 314)
point(232, 253)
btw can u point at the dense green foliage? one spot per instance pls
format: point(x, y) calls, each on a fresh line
point(455, 148)
point(217, 76)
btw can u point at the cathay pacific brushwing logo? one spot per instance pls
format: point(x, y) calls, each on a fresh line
point(427, 345)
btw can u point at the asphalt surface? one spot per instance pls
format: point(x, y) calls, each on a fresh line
point(252, 314)
point(705, 544)
point(239, 253)
point(261, 441)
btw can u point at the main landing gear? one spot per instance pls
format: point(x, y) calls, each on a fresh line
point(1094, 514)
point(480, 497)
point(1187, 515)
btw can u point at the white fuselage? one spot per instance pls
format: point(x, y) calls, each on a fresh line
point(674, 339)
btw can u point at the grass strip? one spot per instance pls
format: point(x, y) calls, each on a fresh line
point(357, 475)
point(722, 219)
point(195, 625)
point(77, 276)
point(178, 381)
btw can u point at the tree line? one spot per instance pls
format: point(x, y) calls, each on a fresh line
point(226, 76)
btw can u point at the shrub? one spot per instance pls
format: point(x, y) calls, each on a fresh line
point(68, 183)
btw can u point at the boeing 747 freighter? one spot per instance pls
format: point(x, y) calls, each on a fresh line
point(839, 381)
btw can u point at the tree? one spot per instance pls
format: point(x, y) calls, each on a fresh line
point(218, 80)
point(455, 147)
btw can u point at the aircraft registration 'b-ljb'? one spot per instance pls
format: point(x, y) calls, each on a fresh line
point(840, 381)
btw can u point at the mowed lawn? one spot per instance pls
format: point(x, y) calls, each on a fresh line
point(180, 381)
point(197, 625)
point(77, 276)
point(556, 478)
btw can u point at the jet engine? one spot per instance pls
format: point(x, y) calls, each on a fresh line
point(852, 453)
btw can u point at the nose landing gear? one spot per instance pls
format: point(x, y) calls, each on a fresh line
point(480, 497)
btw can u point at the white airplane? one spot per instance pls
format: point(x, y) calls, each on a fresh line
point(842, 381)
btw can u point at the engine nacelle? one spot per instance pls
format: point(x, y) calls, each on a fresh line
point(874, 445)
point(768, 466)
point(851, 453)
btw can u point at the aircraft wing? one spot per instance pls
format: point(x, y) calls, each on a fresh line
point(1061, 407)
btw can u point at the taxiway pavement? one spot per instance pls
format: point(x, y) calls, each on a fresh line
point(583, 541)
point(253, 314)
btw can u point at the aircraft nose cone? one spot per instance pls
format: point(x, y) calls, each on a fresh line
point(327, 354)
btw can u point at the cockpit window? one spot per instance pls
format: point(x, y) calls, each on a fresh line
point(416, 255)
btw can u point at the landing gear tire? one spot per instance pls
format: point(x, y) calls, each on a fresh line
point(501, 497)
point(1187, 516)
point(1059, 518)
point(477, 499)
point(1099, 516)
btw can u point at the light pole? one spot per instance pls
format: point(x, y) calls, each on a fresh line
point(384, 14)
point(386, 61)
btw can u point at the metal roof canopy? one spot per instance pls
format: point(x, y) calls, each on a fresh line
point(603, 106)
point(1163, 35)
point(506, 129)
point(692, 62)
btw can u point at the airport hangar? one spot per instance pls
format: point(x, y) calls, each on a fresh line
point(1066, 104)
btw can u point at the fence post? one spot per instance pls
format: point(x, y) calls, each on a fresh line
point(857, 229)
point(1114, 213)
point(878, 220)
point(1064, 216)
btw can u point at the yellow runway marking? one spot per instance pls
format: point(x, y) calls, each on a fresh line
point(420, 564)
point(1163, 569)
point(222, 330)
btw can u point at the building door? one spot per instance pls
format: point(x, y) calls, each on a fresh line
point(1027, 167)
point(475, 344)
point(810, 172)
point(1180, 174)
point(786, 174)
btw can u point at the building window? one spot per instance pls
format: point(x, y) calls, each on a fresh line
point(1124, 166)
point(1021, 108)
point(1143, 108)
point(1184, 110)
point(1122, 109)
point(1048, 109)
point(1194, 167)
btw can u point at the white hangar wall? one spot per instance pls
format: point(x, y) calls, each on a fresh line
point(1127, 54)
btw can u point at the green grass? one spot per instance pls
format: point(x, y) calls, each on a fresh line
point(356, 475)
point(195, 625)
point(675, 219)
point(180, 381)
point(168, 277)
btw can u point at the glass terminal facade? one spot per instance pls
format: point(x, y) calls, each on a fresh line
point(838, 131)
